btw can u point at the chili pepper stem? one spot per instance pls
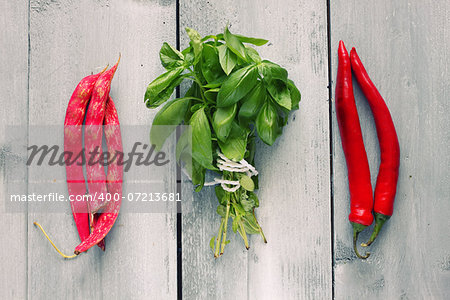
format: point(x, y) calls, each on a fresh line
point(54, 246)
point(380, 219)
point(357, 228)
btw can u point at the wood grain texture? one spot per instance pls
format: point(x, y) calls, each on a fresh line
point(294, 172)
point(70, 39)
point(404, 46)
point(13, 102)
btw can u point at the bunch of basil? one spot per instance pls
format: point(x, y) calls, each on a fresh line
point(234, 96)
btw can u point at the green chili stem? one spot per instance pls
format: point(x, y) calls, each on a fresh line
point(380, 219)
point(357, 228)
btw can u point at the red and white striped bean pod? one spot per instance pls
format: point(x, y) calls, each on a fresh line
point(75, 113)
point(93, 141)
point(114, 180)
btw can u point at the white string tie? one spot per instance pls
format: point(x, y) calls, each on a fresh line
point(225, 164)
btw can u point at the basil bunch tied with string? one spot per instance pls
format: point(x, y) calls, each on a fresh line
point(234, 97)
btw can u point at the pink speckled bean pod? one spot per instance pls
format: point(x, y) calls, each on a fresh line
point(93, 141)
point(106, 220)
point(75, 113)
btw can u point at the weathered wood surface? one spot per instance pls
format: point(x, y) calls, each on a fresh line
point(68, 41)
point(294, 173)
point(405, 49)
point(13, 97)
point(404, 46)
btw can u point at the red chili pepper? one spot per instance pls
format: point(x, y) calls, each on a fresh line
point(386, 186)
point(361, 198)
point(96, 177)
point(75, 113)
point(114, 181)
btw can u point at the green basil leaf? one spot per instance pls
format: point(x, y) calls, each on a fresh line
point(222, 211)
point(211, 68)
point(252, 197)
point(267, 124)
point(213, 85)
point(193, 91)
point(247, 183)
point(239, 209)
point(250, 40)
point(188, 59)
point(199, 74)
point(221, 195)
point(234, 44)
point(170, 57)
point(251, 104)
point(250, 224)
point(236, 222)
point(196, 43)
point(248, 204)
point(211, 243)
point(208, 37)
point(171, 114)
point(235, 146)
point(295, 94)
point(184, 146)
point(227, 59)
point(222, 121)
point(252, 54)
point(271, 71)
point(201, 139)
point(283, 116)
point(211, 94)
point(251, 149)
point(280, 93)
point(160, 89)
point(196, 107)
point(237, 86)
point(186, 50)
point(198, 175)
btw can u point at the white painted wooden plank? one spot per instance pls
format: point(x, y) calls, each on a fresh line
point(404, 46)
point(294, 173)
point(203, 276)
point(13, 99)
point(294, 180)
point(68, 41)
